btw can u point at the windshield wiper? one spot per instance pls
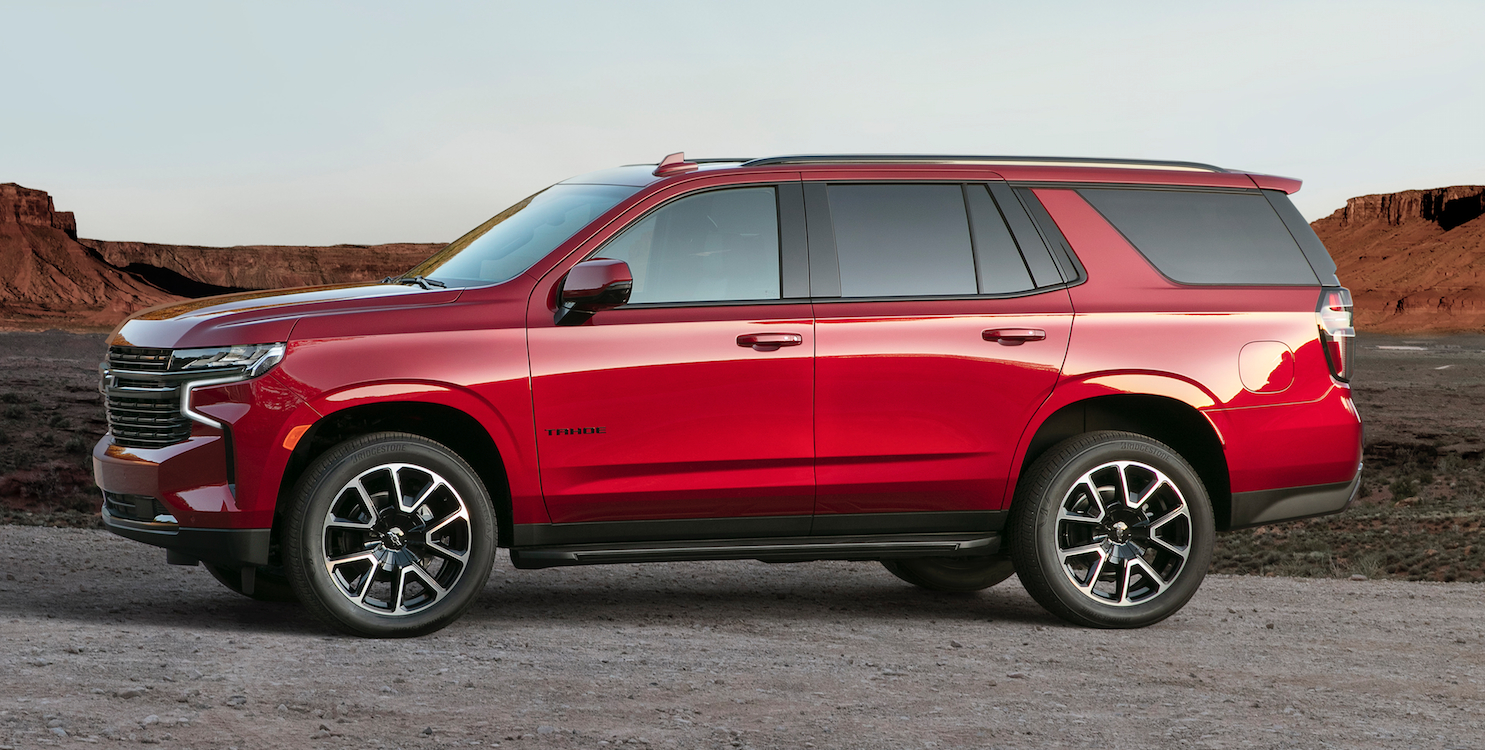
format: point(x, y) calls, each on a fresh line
point(419, 280)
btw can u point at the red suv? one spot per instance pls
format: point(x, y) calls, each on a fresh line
point(1073, 369)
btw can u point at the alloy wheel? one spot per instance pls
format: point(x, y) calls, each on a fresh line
point(397, 538)
point(1123, 533)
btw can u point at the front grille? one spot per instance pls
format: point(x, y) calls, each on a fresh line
point(138, 358)
point(143, 401)
point(147, 423)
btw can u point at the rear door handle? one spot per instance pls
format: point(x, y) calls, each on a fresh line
point(768, 342)
point(1013, 336)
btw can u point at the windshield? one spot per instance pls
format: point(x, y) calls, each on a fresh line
point(514, 239)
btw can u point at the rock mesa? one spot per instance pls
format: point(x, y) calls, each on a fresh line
point(1413, 260)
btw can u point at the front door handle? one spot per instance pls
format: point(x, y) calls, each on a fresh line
point(769, 342)
point(1013, 336)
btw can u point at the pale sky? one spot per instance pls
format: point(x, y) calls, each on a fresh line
point(317, 122)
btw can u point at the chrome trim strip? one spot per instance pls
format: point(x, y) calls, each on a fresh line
point(185, 398)
point(1030, 161)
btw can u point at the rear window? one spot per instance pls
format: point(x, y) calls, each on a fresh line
point(1206, 237)
point(902, 240)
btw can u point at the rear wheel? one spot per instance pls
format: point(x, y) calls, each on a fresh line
point(389, 535)
point(955, 575)
point(1112, 530)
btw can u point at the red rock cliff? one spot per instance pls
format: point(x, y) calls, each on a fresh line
point(1415, 260)
point(267, 266)
point(47, 277)
point(50, 277)
point(24, 206)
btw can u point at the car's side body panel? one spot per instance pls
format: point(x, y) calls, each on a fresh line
point(917, 411)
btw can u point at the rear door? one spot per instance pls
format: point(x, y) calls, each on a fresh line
point(937, 338)
point(688, 411)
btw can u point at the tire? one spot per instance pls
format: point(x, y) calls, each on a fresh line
point(1092, 557)
point(389, 535)
point(269, 583)
point(956, 575)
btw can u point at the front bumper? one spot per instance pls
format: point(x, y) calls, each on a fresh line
point(228, 547)
point(177, 497)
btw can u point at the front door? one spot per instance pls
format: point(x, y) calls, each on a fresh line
point(942, 342)
point(687, 412)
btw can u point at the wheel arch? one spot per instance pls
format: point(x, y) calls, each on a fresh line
point(1185, 428)
point(450, 426)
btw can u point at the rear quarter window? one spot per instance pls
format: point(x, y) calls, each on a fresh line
point(1196, 237)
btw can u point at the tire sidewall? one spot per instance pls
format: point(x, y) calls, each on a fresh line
point(1046, 554)
point(305, 544)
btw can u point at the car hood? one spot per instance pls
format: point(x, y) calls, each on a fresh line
point(262, 317)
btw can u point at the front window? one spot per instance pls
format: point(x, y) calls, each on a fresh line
point(710, 247)
point(516, 238)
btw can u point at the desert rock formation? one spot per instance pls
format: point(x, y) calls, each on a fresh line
point(50, 277)
point(47, 277)
point(265, 266)
point(1413, 260)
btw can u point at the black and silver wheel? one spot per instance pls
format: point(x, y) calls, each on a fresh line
point(1112, 530)
point(959, 575)
point(390, 535)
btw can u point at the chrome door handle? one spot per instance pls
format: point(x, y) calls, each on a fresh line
point(1013, 336)
point(768, 342)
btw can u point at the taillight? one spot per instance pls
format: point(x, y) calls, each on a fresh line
point(1333, 315)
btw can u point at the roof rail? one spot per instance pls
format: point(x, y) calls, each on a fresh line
point(1029, 161)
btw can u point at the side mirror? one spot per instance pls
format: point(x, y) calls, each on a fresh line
point(593, 285)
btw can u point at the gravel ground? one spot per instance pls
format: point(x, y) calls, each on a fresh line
point(103, 642)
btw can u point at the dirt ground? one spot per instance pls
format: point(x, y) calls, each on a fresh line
point(105, 643)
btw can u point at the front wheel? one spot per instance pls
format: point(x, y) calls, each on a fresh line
point(1112, 530)
point(389, 535)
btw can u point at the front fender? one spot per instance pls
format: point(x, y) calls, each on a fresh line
point(501, 431)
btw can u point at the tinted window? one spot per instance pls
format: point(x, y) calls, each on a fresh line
point(715, 246)
point(512, 240)
point(1304, 234)
point(1059, 251)
point(997, 260)
point(1033, 246)
point(1206, 238)
point(901, 240)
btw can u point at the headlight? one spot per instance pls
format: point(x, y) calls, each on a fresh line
point(254, 359)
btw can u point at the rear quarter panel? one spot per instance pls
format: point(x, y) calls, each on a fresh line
point(1135, 331)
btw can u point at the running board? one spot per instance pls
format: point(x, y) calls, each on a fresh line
point(787, 549)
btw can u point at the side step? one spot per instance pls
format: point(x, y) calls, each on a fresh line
point(785, 549)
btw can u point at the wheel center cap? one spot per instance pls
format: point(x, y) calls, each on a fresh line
point(394, 538)
point(1119, 531)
